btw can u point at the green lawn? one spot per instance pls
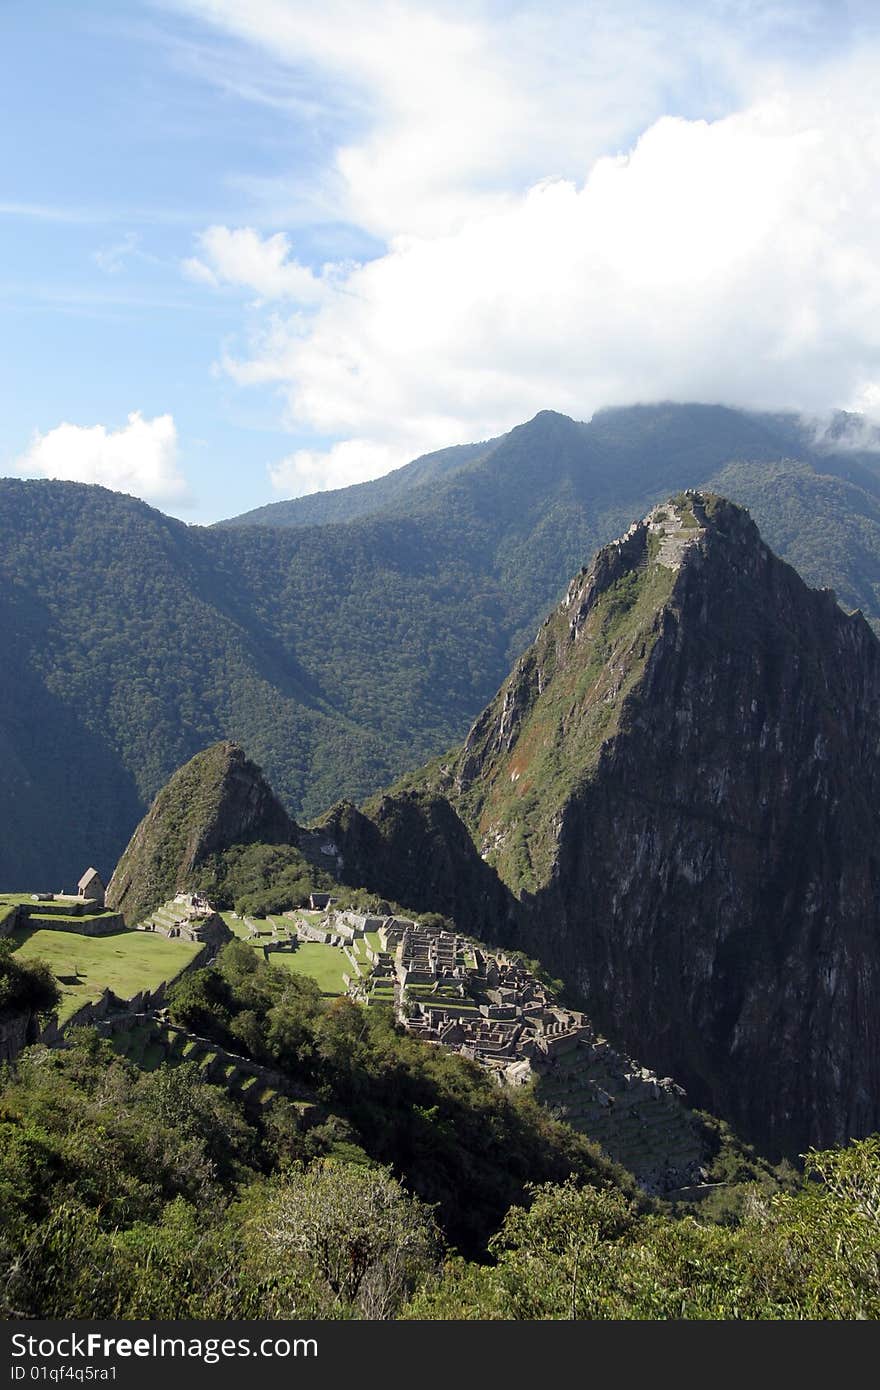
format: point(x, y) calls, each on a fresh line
point(284, 926)
point(236, 925)
point(324, 963)
point(58, 906)
point(126, 962)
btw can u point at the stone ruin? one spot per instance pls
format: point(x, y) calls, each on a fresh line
point(188, 917)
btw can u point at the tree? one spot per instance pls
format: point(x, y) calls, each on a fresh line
point(357, 1229)
point(25, 985)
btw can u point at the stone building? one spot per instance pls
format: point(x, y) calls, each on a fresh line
point(90, 886)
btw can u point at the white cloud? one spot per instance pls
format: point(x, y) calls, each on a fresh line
point(553, 236)
point(139, 458)
point(243, 258)
point(844, 433)
point(461, 108)
point(314, 470)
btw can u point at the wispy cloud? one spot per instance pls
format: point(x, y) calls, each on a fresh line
point(111, 259)
point(48, 212)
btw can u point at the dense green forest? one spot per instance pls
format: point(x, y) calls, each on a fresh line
point(341, 654)
point(391, 1180)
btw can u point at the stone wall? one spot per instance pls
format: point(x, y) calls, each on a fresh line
point(104, 925)
point(10, 922)
point(64, 907)
point(16, 1031)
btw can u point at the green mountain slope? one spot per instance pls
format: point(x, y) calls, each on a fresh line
point(340, 654)
point(215, 800)
point(362, 499)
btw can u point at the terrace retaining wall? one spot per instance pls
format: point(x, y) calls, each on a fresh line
point(9, 924)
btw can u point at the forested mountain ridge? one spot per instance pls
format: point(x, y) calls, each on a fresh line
point(362, 499)
point(339, 655)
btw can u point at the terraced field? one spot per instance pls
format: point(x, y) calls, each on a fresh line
point(151, 1043)
point(325, 964)
point(126, 962)
point(640, 1131)
point(236, 925)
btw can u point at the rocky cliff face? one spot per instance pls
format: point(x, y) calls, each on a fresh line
point(218, 799)
point(678, 792)
point(414, 848)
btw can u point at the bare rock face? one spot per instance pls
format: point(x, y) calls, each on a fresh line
point(678, 790)
point(218, 799)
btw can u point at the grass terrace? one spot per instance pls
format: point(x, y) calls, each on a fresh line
point(65, 922)
point(283, 926)
point(382, 992)
point(126, 962)
point(325, 964)
point(61, 905)
point(236, 925)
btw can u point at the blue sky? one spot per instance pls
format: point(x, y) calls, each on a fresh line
point(251, 249)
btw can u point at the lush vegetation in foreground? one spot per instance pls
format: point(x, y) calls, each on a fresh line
point(581, 1253)
point(410, 1186)
point(26, 986)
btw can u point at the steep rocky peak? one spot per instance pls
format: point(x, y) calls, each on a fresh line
point(608, 618)
point(674, 801)
point(692, 573)
point(670, 535)
point(218, 799)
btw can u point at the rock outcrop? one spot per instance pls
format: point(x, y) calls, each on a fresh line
point(216, 800)
point(18, 1028)
point(674, 801)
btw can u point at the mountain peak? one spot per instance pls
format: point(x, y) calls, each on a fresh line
point(677, 789)
point(218, 799)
